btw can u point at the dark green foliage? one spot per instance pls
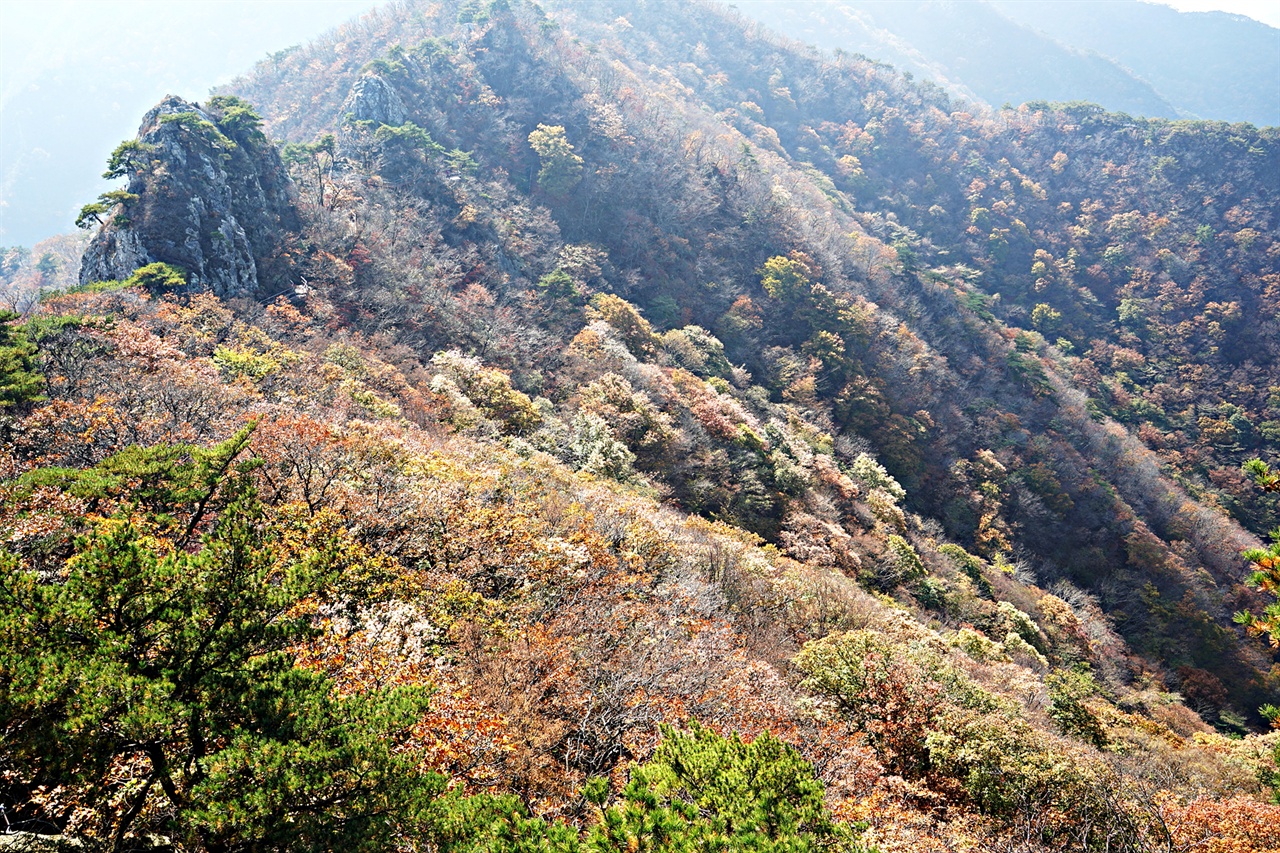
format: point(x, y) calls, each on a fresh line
point(20, 383)
point(561, 168)
point(971, 567)
point(300, 152)
point(1067, 691)
point(128, 156)
point(195, 124)
point(558, 283)
point(157, 278)
point(1266, 577)
point(756, 796)
point(1266, 563)
point(1024, 363)
point(41, 328)
point(237, 118)
point(462, 161)
point(177, 659)
point(700, 792)
point(931, 594)
point(479, 11)
point(91, 214)
point(174, 484)
point(406, 150)
point(124, 198)
point(318, 156)
point(1262, 475)
point(408, 136)
point(48, 264)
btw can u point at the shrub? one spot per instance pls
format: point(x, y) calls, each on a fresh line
point(1067, 691)
point(700, 792)
point(20, 383)
point(898, 564)
point(978, 646)
point(489, 390)
point(636, 332)
point(970, 566)
point(593, 449)
point(879, 688)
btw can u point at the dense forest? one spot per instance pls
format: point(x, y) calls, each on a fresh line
point(495, 427)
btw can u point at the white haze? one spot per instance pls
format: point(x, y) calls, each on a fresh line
point(76, 77)
point(1266, 11)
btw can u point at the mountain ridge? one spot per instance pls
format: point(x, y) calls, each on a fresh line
point(1117, 54)
point(667, 431)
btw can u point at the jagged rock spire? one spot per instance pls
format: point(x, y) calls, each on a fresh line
point(212, 198)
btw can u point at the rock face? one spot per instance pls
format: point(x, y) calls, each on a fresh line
point(212, 198)
point(374, 99)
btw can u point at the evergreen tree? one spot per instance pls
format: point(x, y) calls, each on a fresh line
point(561, 167)
point(20, 382)
point(156, 679)
point(1266, 563)
point(699, 793)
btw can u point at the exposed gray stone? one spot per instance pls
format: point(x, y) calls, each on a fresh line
point(374, 99)
point(30, 842)
point(214, 206)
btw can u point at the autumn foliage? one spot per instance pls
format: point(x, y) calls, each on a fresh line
point(676, 440)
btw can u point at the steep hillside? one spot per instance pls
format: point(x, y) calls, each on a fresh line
point(635, 368)
point(892, 336)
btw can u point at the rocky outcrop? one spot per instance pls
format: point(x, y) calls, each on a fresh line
point(373, 99)
point(30, 842)
point(212, 197)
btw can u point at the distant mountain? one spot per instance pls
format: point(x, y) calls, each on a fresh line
point(1128, 56)
point(1211, 65)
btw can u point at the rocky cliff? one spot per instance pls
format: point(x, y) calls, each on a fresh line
point(207, 192)
point(373, 99)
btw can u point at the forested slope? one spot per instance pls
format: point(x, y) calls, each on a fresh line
point(694, 175)
point(624, 365)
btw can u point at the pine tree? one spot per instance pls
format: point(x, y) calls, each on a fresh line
point(156, 679)
point(20, 382)
point(1266, 563)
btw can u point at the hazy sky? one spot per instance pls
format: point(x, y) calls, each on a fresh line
point(217, 39)
point(76, 77)
point(210, 41)
point(205, 41)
